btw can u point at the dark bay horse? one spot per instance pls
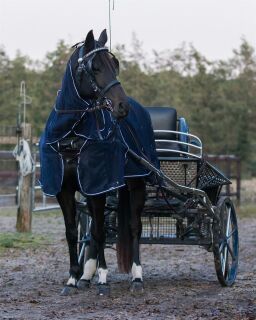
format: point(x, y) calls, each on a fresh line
point(84, 148)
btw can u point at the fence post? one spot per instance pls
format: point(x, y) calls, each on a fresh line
point(238, 179)
point(24, 213)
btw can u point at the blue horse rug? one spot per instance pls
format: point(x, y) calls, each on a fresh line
point(103, 160)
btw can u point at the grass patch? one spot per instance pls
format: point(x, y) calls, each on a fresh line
point(21, 240)
point(246, 211)
point(8, 212)
point(12, 212)
point(48, 214)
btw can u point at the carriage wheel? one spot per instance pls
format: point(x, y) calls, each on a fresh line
point(226, 242)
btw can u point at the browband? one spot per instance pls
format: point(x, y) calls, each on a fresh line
point(92, 52)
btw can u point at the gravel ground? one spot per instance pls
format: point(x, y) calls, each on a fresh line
point(180, 281)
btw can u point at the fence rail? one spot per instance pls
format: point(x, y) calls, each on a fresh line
point(8, 131)
point(230, 165)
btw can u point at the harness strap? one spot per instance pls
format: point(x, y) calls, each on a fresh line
point(98, 105)
point(110, 85)
point(81, 58)
point(86, 66)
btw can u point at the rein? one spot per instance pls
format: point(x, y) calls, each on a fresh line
point(98, 105)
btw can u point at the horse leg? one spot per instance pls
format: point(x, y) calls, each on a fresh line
point(137, 189)
point(96, 255)
point(66, 199)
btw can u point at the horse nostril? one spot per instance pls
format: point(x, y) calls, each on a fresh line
point(123, 108)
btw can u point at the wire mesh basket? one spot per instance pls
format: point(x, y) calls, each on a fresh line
point(156, 227)
point(209, 176)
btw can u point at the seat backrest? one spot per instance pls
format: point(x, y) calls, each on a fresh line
point(163, 118)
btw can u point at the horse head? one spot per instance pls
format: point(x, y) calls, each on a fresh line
point(96, 70)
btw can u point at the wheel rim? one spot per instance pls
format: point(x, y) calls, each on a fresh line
point(226, 244)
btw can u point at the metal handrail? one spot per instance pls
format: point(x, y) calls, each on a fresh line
point(180, 152)
point(198, 147)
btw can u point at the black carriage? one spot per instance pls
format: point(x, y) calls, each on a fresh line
point(184, 204)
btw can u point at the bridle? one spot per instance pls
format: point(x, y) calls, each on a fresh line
point(85, 66)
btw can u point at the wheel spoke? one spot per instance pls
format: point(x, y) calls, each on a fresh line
point(224, 259)
point(226, 243)
point(231, 252)
point(81, 253)
point(228, 222)
point(221, 247)
point(232, 232)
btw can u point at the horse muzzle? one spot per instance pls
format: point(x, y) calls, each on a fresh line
point(122, 110)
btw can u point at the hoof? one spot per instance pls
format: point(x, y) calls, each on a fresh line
point(68, 290)
point(137, 286)
point(103, 289)
point(83, 284)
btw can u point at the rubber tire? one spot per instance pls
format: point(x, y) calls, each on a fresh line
point(225, 239)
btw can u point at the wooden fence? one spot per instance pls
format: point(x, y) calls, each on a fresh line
point(8, 135)
point(230, 165)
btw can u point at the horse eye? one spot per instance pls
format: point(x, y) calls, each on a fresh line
point(95, 67)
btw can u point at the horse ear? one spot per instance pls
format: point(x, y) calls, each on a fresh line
point(89, 42)
point(103, 37)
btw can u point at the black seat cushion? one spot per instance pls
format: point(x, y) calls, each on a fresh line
point(163, 118)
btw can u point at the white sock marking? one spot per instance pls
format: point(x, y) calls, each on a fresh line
point(71, 281)
point(136, 271)
point(89, 269)
point(102, 275)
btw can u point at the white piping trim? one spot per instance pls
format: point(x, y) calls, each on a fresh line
point(47, 194)
point(104, 123)
point(66, 132)
point(97, 193)
point(75, 85)
point(124, 141)
point(62, 164)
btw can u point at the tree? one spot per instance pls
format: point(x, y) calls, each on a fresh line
point(218, 98)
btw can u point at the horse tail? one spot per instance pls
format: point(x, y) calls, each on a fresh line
point(124, 237)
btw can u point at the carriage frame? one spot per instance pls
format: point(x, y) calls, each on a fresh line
point(184, 204)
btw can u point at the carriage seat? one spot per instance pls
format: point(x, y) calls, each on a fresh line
point(165, 118)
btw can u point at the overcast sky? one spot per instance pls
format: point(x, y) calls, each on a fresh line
point(215, 27)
